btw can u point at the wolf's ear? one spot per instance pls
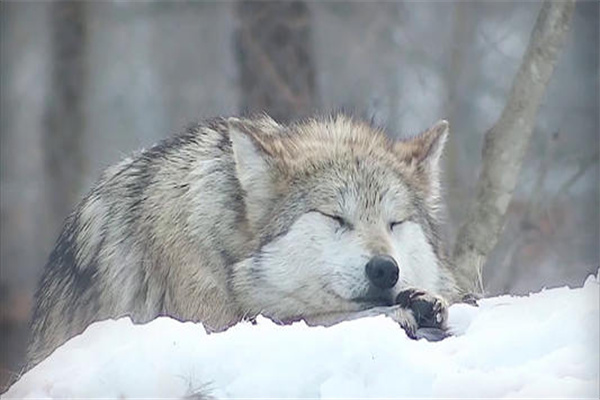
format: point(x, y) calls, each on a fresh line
point(425, 150)
point(423, 153)
point(254, 169)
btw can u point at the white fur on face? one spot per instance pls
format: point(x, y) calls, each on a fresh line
point(415, 257)
point(318, 266)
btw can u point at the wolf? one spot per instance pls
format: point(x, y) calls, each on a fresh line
point(322, 220)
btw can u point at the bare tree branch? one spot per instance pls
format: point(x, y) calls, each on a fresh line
point(582, 168)
point(506, 144)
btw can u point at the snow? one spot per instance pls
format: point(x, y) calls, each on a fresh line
point(542, 345)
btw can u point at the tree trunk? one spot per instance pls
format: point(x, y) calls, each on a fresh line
point(506, 143)
point(276, 69)
point(64, 159)
point(462, 38)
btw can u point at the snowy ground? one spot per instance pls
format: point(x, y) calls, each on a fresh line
point(543, 345)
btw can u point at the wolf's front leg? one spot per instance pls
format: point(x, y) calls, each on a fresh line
point(422, 316)
point(419, 313)
point(401, 315)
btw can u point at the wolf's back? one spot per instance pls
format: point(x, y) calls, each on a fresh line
point(132, 245)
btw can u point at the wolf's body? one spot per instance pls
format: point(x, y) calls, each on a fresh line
point(321, 221)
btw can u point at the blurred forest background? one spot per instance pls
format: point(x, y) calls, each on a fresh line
point(83, 84)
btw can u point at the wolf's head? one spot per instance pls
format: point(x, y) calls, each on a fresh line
point(344, 217)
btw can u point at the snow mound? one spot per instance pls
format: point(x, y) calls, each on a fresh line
point(542, 345)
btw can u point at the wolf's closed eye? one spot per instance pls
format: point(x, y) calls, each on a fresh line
point(343, 223)
point(396, 224)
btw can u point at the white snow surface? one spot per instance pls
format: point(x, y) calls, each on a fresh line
point(541, 345)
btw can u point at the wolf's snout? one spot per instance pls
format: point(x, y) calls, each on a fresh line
point(382, 271)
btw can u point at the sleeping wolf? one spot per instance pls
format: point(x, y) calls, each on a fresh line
point(323, 220)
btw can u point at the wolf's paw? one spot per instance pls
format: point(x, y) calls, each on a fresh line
point(430, 311)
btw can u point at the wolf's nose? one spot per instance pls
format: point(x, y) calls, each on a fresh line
point(382, 271)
